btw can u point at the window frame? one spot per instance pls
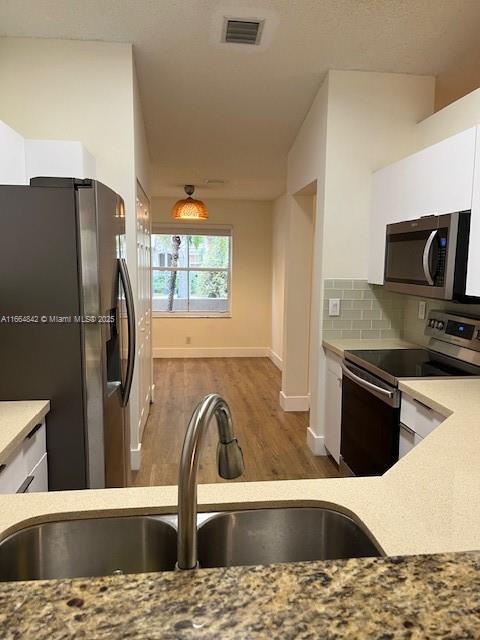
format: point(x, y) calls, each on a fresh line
point(204, 230)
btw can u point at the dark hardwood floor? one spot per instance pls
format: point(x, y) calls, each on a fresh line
point(273, 442)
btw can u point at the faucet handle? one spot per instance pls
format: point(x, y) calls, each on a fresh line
point(230, 460)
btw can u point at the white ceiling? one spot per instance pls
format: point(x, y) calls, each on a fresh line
point(228, 111)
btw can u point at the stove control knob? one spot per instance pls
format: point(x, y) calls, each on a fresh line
point(431, 322)
point(440, 325)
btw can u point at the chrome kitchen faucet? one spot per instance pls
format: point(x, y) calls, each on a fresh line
point(230, 465)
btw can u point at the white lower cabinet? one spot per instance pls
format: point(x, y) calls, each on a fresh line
point(333, 405)
point(26, 470)
point(417, 421)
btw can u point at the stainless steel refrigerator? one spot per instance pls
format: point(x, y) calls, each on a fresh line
point(67, 325)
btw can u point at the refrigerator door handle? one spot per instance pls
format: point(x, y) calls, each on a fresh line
point(127, 287)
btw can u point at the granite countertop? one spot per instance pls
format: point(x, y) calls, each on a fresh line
point(432, 596)
point(17, 419)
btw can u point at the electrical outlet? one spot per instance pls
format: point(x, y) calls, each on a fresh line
point(188, 340)
point(334, 307)
point(422, 309)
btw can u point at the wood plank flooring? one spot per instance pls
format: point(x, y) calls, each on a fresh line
point(273, 442)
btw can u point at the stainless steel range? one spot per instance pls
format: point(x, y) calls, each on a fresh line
point(370, 395)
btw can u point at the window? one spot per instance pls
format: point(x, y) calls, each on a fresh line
point(191, 272)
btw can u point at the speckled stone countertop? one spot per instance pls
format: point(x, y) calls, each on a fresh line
point(340, 345)
point(429, 502)
point(17, 418)
point(417, 597)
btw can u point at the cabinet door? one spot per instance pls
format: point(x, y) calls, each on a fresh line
point(333, 412)
point(473, 267)
point(436, 180)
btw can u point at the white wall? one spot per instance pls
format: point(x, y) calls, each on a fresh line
point(142, 153)
point(371, 122)
point(357, 123)
point(306, 158)
point(248, 331)
point(306, 172)
point(456, 117)
point(279, 237)
point(297, 301)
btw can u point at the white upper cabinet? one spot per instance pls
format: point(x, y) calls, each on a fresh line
point(436, 180)
point(473, 267)
point(59, 158)
point(12, 156)
point(22, 159)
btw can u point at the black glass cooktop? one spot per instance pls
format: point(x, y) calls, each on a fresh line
point(405, 363)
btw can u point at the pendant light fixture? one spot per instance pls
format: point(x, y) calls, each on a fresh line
point(189, 208)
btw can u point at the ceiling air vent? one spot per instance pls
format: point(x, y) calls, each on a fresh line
point(238, 31)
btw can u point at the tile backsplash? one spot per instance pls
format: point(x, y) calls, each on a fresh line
point(366, 311)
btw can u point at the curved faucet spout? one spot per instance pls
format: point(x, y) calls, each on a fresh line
point(229, 461)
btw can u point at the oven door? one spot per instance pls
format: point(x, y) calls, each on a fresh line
point(420, 256)
point(370, 422)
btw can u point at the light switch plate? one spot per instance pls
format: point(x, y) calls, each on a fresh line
point(422, 308)
point(334, 306)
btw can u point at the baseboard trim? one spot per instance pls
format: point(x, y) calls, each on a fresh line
point(211, 352)
point(136, 457)
point(316, 443)
point(294, 403)
point(276, 359)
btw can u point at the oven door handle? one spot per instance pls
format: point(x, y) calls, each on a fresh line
point(365, 384)
point(426, 257)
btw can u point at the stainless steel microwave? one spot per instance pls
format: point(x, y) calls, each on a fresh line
point(428, 256)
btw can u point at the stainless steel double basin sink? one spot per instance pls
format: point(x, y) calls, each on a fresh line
point(136, 544)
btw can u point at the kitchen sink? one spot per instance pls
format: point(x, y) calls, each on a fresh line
point(93, 547)
point(137, 544)
point(265, 536)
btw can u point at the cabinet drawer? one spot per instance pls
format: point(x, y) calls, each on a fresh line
point(21, 464)
point(13, 473)
point(418, 416)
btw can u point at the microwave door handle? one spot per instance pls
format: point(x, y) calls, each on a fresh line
point(127, 287)
point(365, 384)
point(426, 257)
